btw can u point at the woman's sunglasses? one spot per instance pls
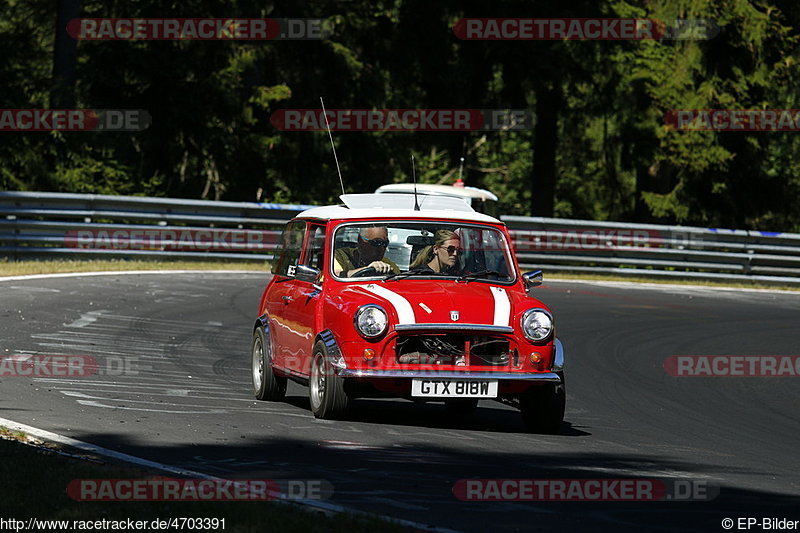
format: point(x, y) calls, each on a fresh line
point(454, 250)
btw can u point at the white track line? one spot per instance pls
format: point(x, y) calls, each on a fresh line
point(127, 273)
point(664, 286)
point(618, 284)
point(87, 447)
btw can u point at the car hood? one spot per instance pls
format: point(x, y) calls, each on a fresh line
point(440, 302)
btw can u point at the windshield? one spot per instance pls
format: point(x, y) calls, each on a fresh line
point(400, 250)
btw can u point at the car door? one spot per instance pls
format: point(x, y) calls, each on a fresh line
point(282, 293)
point(301, 310)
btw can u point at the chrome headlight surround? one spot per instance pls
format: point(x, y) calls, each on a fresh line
point(371, 321)
point(536, 324)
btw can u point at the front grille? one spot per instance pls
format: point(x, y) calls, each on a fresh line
point(451, 348)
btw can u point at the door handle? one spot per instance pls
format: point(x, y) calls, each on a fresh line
point(287, 299)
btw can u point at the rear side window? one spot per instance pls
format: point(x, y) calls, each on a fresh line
point(289, 249)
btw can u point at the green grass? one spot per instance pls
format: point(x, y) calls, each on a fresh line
point(20, 268)
point(6, 433)
point(35, 480)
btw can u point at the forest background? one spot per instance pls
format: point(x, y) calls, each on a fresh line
point(600, 148)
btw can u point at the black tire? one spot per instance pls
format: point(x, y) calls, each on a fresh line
point(542, 408)
point(266, 385)
point(325, 389)
point(461, 407)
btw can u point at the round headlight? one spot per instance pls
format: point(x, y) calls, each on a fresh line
point(371, 320)
point(537, 324)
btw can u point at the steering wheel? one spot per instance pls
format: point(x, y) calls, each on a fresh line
point(369, 271)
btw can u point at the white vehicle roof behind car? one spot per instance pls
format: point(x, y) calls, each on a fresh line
point(405, 201)
point(397, 206)
point(440, 190)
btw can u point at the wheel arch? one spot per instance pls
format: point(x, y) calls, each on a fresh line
point(261, 322)
point(335, 355)
point(558, 356)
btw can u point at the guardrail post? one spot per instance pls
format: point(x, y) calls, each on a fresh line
point(14, 236)
point(749, 242)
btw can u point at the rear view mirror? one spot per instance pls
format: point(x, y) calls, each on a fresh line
point(306, 273)
point(532, 279)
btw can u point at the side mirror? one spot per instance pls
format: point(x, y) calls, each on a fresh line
point(306, 273)
point(532, 279)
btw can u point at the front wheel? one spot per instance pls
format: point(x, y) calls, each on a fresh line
point(266, 385)
point(325, 389)
point(542, 408)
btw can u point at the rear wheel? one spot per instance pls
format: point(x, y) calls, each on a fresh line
point(266, 385)
point(325, 389)
point(542, 408)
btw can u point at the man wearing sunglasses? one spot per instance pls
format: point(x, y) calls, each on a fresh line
point(369, 253)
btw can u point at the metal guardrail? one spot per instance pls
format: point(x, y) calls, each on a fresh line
point(36, 224)
point(655, 250)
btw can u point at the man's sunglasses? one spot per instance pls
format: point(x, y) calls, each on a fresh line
point(377, 243)
point(454, 249)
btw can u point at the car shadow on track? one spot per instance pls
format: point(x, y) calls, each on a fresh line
point(489, 416)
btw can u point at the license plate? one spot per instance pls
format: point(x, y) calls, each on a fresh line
point(454, 388)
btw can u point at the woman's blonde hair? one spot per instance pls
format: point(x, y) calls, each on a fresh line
point(425, 255)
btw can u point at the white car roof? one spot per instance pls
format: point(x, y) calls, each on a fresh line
point(432, 188)
point(399, 206)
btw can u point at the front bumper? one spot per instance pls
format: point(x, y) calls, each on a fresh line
point(527, 377)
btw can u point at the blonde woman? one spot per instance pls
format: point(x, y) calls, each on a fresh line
point(442, 255)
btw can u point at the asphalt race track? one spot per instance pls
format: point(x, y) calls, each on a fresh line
point(175, 388)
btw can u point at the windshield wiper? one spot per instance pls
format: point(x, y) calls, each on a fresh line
point(401, 275)
point(473, 275)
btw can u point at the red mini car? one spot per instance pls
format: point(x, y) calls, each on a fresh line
point(388, 295)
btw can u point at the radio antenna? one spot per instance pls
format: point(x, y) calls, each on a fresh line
point(414, 173)
point(461, 168)
point(333, 146)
